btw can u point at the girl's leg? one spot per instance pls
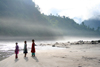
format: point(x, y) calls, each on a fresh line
point(16, 56)
point(33, 54)
point(25, 54)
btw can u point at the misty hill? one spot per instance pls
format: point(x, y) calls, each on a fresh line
point(23, 18)
point(69, 27)
point(93, 23)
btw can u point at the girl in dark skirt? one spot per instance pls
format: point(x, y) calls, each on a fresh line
point(25, 48)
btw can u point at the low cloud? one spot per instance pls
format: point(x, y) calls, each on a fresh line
point(83, 9)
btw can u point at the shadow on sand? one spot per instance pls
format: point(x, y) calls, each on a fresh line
point(35, 58)
point(16, 60)
point(26, 58)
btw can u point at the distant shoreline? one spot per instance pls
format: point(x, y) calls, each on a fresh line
point(56, 39)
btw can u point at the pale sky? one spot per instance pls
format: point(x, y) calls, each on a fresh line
point(79, 10)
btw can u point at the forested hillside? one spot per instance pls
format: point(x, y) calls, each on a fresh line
point(23, 18)
point(93, 23)
point(70, 27)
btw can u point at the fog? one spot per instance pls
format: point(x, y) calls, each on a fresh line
point(27, 29)
point(22, 19)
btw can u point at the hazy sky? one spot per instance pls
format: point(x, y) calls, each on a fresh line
point(78, 10)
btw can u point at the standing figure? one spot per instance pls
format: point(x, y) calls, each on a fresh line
point(33, 49)
point(25, 48)
point(16, 50)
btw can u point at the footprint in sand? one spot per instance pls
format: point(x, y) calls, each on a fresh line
point(63, 57)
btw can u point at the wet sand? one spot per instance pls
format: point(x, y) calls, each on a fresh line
point(5, 54)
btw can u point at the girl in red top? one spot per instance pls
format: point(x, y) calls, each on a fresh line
point(33, 49)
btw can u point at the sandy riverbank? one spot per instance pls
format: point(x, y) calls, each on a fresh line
point(87, 55)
